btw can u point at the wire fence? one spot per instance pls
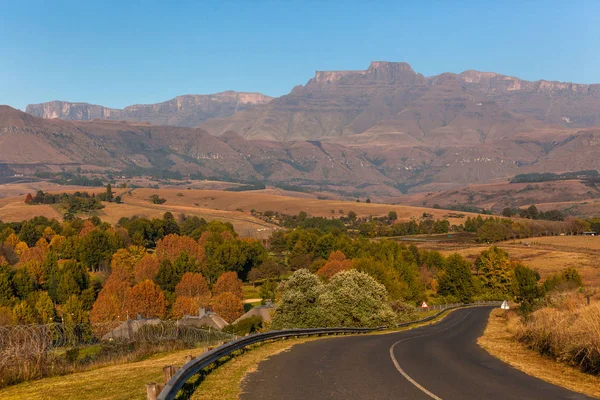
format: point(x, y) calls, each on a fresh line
point(27, 342)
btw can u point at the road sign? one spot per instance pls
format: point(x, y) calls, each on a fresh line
point(504, 305)
point(424, 305)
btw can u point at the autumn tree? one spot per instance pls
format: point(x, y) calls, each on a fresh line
point(28, 198)
point(145, 268)
point(128, 258)
point(171, 246)
point(192, 285)
point(228, 306)
point(495, 271)
point(110, 304)
point(228, 283)
point(146, 299)
point(336, 262)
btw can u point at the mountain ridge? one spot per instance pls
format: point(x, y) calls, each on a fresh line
point(185, 110)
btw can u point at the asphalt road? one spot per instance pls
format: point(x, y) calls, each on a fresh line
point(441, 361)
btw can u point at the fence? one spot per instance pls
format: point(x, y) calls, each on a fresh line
point(19, 343)
point(178, 380)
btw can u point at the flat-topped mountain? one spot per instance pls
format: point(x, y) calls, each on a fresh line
point(187, 110)
point(391, 97)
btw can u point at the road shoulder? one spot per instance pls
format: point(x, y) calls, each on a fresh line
point(498, 341)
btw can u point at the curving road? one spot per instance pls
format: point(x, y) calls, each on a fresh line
point(441, 361)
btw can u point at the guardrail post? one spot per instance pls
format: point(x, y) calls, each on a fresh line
point(153, 390)
point(169, 371)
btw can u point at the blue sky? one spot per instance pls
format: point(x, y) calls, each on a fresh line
point(126, 52)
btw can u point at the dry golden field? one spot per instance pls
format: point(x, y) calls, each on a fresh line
point(234, 207)
point(270, 200)
point(547, 255)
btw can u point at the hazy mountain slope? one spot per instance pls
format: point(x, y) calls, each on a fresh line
point(187, 111)
point(439, 110)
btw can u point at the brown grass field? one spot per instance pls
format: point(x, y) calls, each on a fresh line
point(547, 255)
point(234, 207)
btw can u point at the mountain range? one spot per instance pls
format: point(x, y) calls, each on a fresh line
point(188, 110)
point(383, 130)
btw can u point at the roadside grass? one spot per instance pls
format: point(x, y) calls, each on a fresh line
point(499, 342)
point(127, 381)
point(116, 382)
point(224, 383)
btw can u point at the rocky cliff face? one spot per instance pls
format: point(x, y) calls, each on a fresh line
point(392, 97)
point(188, 110)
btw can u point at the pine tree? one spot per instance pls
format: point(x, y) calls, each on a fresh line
point(109, 193)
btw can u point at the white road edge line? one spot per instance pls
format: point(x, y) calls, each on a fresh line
point(404, 374)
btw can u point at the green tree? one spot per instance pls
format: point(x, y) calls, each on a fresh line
point(109, 193)
point(44, 307)
point(525, 286)
point(456, 280)
point(7, 290)
point(95, 250)
point(392, 215)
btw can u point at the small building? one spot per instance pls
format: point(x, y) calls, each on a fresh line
point(127, 330)
point(264, 312)
point(203, 320)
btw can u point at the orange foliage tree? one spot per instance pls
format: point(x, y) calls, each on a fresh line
point(110, 304)
point(228, 306)
point(146, 268)
point(169, 248)
point(228, 283)
point(336, 262)
point(87, 227)
point(192, 285)
point(146, 299)
point(192, 294)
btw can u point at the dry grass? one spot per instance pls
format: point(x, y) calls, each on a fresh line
point(118, 382)
point(234, 207)
point(546, 260)
point(268, 200)
point(499, 342)
point(569, 331)
point(574, 242)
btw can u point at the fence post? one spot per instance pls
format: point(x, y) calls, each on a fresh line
point(153, 390)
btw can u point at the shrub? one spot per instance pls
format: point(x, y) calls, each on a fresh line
point(571, 336)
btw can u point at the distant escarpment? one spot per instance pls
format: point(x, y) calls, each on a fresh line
point(186, 111)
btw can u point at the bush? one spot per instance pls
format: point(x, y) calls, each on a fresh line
point(351, 298)
point(246, 326)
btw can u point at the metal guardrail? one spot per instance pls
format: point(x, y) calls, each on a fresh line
point(183, 375)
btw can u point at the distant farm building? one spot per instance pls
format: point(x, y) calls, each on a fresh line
point(203, 320)
point(127, 330)
point(264, 312)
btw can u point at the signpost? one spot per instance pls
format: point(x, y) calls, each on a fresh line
point(504, 305)
point(424, 305)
